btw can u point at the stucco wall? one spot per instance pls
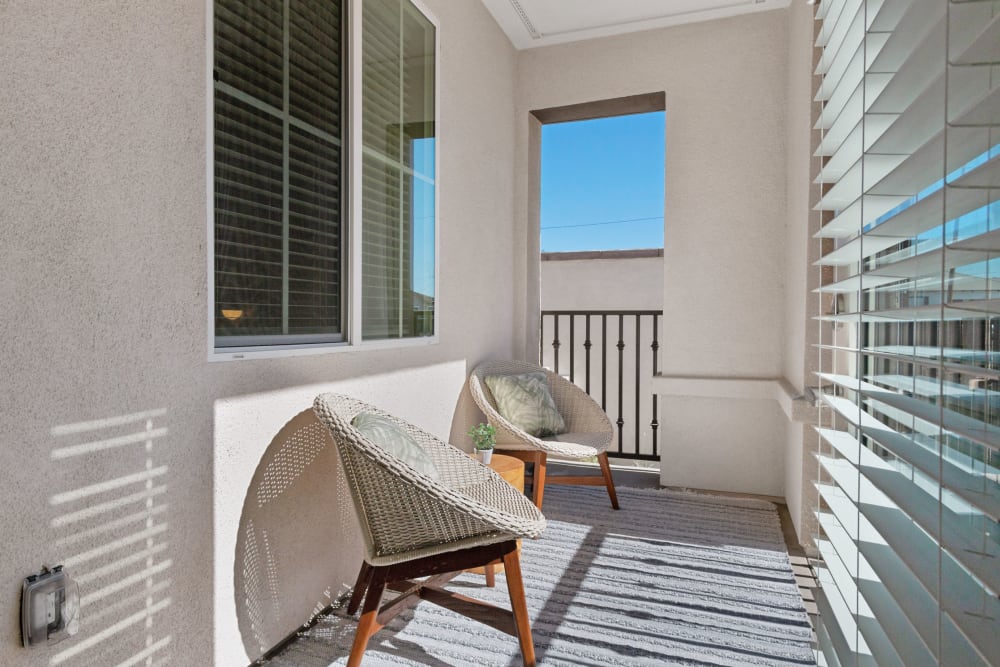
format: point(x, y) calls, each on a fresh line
point(801, 303)
point(602, 284)
point(106, 383)
point(725, 212)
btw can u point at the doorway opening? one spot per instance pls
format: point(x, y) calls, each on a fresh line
point(601, 206)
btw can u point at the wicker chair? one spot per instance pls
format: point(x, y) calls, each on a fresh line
point(417, 526)
point(588, 430)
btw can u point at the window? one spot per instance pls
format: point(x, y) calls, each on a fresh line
point(397, 171)
point(284, 263)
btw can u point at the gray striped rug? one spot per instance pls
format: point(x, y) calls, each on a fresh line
point(671, 579)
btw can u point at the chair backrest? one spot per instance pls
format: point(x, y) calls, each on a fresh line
point(579, 410)
point(477, 379)
point(400, 509)
point(384, 489)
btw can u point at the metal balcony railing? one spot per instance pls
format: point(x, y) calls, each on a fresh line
point(613, 356)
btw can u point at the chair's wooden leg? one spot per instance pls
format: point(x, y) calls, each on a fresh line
point(537, 477)
point(364, 576)
point(519, 605)
point(491, 575)
point(602, 458)
point(538, 481)
point(368, 624)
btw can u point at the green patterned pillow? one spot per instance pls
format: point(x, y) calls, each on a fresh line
point(525, 401)
point(385, 433)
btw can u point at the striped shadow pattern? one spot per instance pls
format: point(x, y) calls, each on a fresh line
point(673, 578)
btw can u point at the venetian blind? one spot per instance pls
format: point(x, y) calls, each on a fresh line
point(278, 172)
point(909, 464)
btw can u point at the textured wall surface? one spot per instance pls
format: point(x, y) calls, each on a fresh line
point(724, 206)
point(725, 213)
point(802, 304)
point(732, 445)
point(599, 284)
point(125, 454)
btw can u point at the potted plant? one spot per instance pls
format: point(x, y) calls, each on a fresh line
point(484, 437)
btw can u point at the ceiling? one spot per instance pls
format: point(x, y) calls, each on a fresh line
point(532, 23)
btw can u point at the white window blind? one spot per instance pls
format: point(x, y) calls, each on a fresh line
point(278, 172)
point(909, 464)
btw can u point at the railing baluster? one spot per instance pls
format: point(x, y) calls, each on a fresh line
point(572, 346)
point(604, 362)
point(621, 360)
point(656, 347)
point(541, 340)
point(555, 342)
point(638, 350)
point(586, 346)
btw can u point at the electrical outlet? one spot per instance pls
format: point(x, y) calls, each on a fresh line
point(50, 606)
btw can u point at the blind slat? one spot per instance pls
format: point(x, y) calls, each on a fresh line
point(958, 596)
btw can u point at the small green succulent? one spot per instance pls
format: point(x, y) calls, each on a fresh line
point(483, 435)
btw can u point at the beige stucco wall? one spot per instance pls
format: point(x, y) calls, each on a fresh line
point(602, 284)
point(725, 211)
point(106, 383)
point(801, 302)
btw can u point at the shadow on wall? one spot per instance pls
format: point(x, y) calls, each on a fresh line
point(299, 544)
point(116, 531)
point(467, 414)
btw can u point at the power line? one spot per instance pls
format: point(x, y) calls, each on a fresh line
point(606, 222)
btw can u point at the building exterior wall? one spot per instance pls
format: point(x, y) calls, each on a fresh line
point(104, 280)
point(611, 281)
point(725, 221)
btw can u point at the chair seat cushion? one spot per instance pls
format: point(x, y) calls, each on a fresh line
point(579, 445)
point(525, 401)
point(385, 433)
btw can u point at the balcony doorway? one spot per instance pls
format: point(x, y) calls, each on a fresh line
point(600, 213)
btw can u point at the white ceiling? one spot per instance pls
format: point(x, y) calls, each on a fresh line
point(531, 23)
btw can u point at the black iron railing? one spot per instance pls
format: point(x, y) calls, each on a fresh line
point(629, 401)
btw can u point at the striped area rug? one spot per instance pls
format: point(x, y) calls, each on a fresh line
point(672, 578)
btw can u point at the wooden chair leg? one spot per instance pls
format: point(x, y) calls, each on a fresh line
point(364, 577)
point(519, 605)
point(538, 481)
point(368, 624)
point(491, 575)
point(539, 459)
point(602, 458)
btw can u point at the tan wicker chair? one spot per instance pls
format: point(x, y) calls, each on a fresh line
point(417, 526)
point(588, 430)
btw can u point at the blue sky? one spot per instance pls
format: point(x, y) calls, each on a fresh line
point(602, 184)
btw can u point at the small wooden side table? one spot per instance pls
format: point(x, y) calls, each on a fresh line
point(512, 470)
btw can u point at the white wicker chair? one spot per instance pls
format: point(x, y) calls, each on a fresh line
point(417, 526)
point(588, 430)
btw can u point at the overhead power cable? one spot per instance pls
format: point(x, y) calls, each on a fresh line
point(605, 222)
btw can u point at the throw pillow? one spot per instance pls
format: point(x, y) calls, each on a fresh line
point(393, 439)
point(525, 401)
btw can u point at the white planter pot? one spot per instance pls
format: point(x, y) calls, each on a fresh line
point(484, 456)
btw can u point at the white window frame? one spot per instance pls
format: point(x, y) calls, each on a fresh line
point(353, 227)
